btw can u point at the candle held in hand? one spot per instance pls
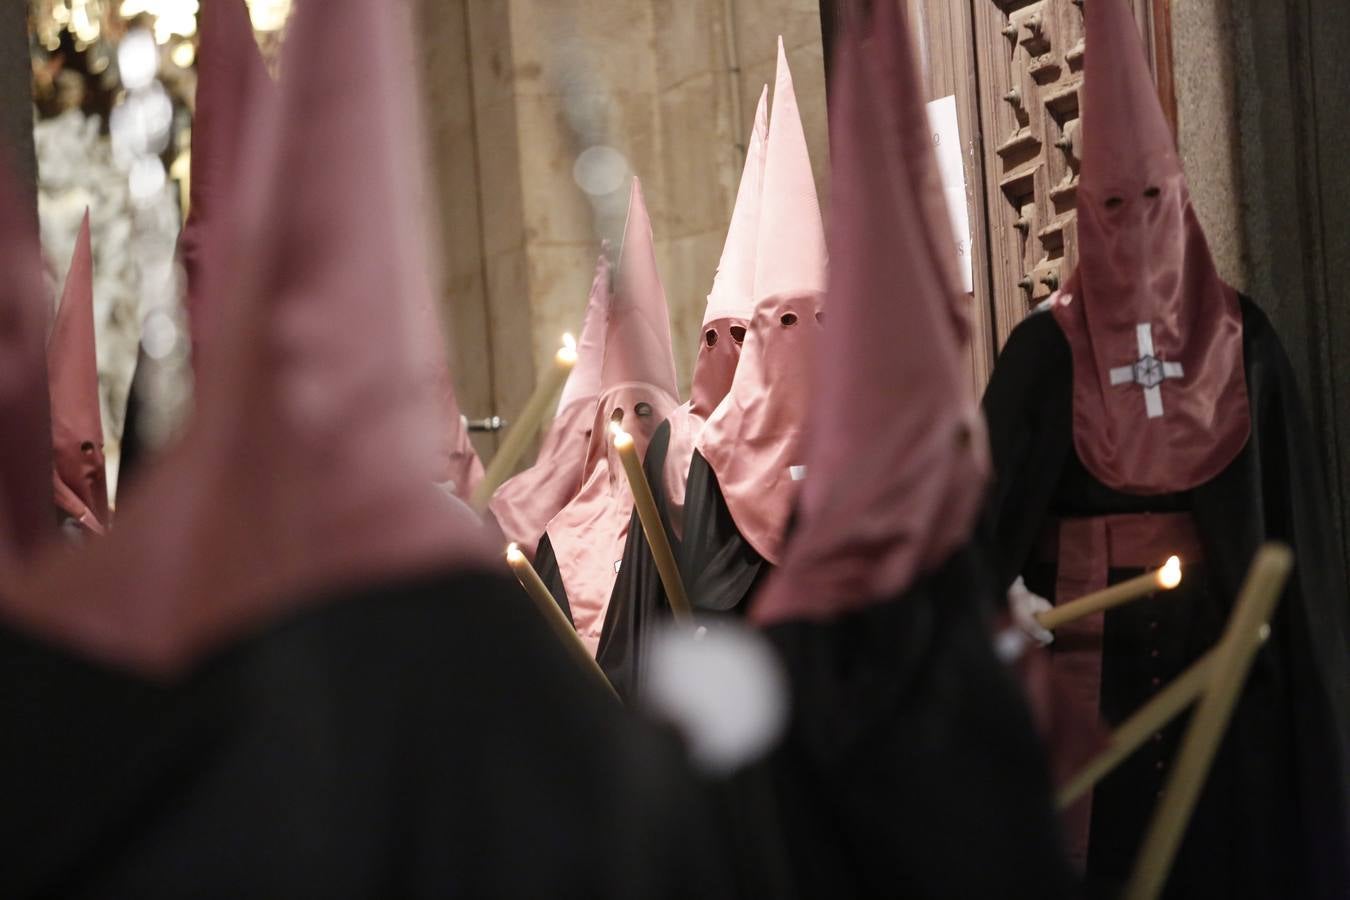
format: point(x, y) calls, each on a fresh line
point(651, 524)
point(543, 599)
point(1166, 577)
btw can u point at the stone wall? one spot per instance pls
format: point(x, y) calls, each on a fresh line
point(517, 90)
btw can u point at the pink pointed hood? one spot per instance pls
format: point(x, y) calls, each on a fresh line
point(583, 382)
point(1159, 389)
point(72, 375)
point(26, 516)
point(637, 389)
point(896, 451)
point(232, 85)
point(752, 441)
point(309, 468)
point(731, 303)
point(525, 503)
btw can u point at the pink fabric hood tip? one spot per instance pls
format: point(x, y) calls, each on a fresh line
point(731, 303)
point(523, 505)
point(78, 471)
point(309, 466)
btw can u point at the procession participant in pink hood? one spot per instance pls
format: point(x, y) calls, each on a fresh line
point(81, 486)
point(525, 503)
point(296, 668)
point(1150, 411)
point(748, 460)
point(639, 601)
point(580, 554)
point(910, 753)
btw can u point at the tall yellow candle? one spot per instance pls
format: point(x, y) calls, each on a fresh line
point(526, 426)
point(1136, 730)
point(543, 599)
point(1164, 578)
point(652, 527)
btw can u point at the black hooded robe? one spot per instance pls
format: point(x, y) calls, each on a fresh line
point(1271, 820)
point(720, 568)
point(911, 767)
point(424, 739)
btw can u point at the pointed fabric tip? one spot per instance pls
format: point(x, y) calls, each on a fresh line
point(752, 440)
point(524, 504)
point(1146, 297)
point(637, 388)
point(583, 382)
point(791, 254)
point(637, 340)
point(895, 478)
point(25, 440)
point(308, 468)
point(232, 84)
point(1123, 119)
point(72, 374)
point(733, 291)
point(731, 303)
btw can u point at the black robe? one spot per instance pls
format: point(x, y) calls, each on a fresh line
point(720, 568)
point(1271, 820)
point(638, 604)
point(426, 739)
point(911, 767)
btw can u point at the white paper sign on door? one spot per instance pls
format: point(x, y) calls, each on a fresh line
point(951, 166)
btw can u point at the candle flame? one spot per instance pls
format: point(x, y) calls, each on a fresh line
point(513, 554)
point(622, 439)
point(567, 353)
point(1169, 576)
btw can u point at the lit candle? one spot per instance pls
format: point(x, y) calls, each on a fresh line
point(526, 425)
point(543, 599)
point(651, 525)
point(1164, 578)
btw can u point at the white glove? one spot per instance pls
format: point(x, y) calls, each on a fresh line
point(1024, 606)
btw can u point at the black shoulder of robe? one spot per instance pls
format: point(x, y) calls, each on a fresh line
point(911, 767)
point(719, 567)
point(424, 739)
point(1028, 407)
point(1273, 490)
point(638, 602)
point(546, 564)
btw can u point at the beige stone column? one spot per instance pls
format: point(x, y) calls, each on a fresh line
point(518, 90)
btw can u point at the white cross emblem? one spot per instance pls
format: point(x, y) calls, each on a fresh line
point(1148, 372)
